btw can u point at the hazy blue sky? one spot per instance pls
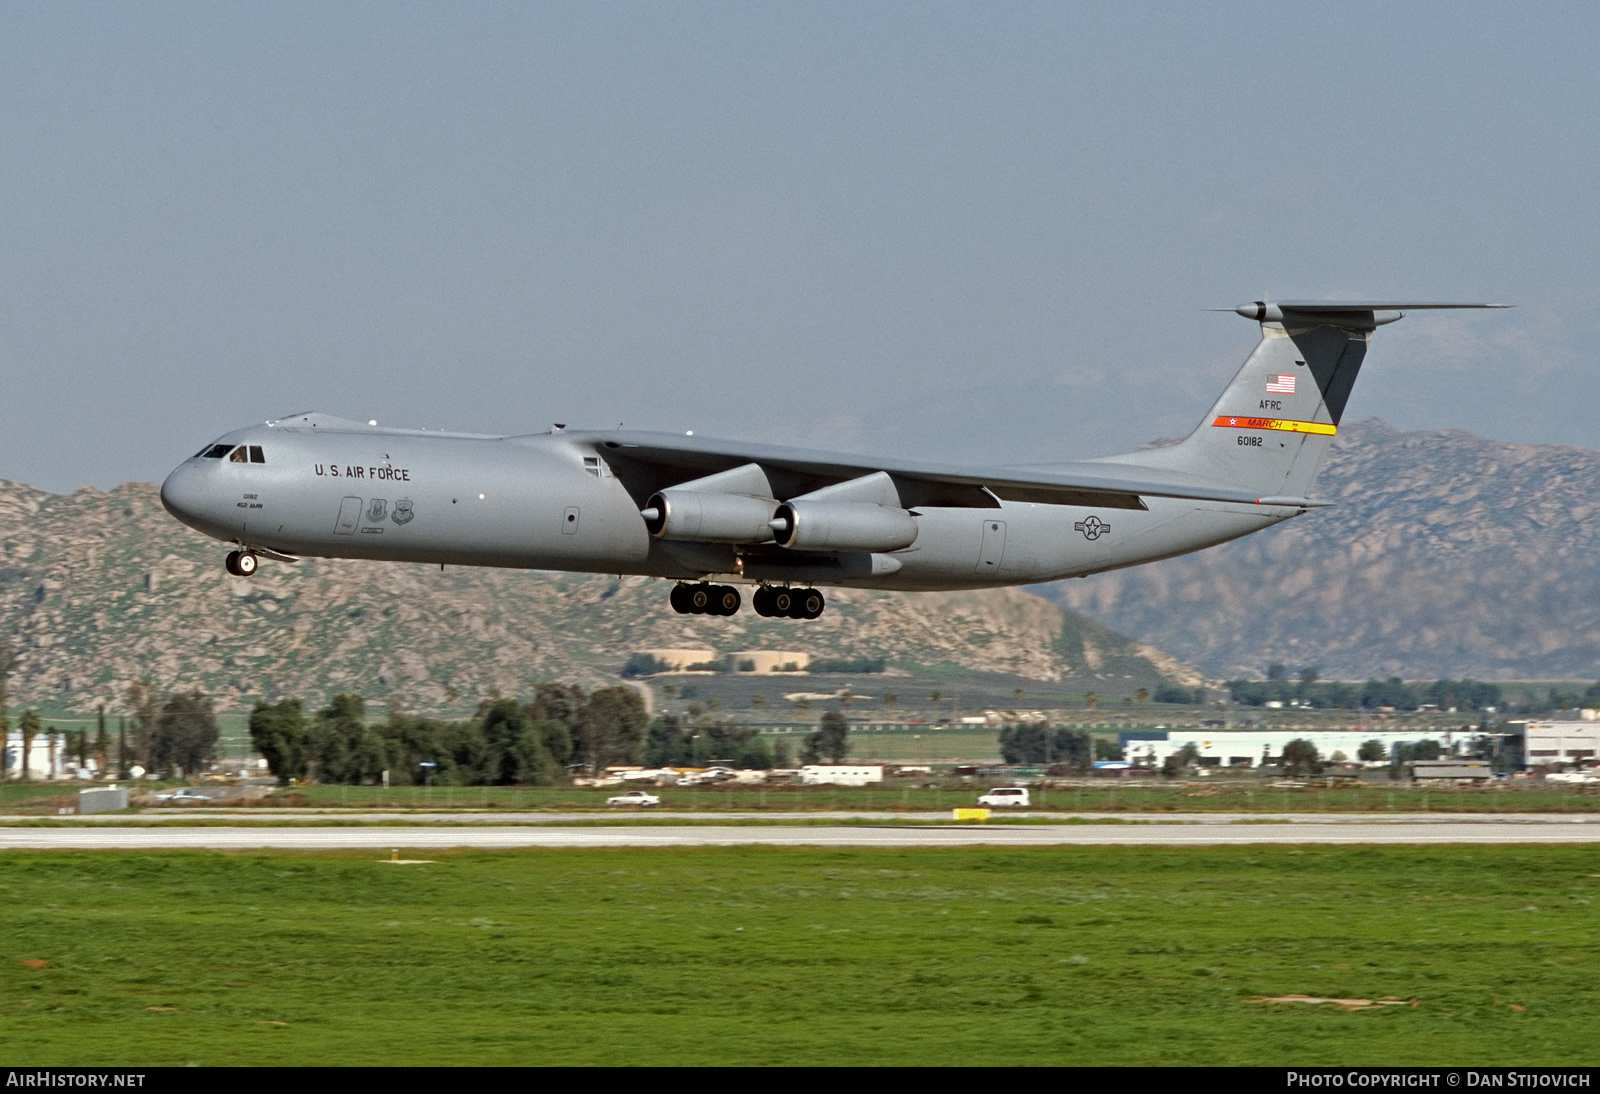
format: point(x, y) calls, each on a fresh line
point(982, 232)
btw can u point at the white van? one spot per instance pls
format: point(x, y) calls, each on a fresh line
point(1006, 795)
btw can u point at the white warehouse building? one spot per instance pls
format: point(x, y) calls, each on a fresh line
point(47, 759)
point(1250, 748)
point(1560, 742)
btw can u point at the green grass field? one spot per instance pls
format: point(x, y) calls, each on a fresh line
point(774, 956)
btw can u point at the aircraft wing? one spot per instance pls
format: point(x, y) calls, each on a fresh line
point(647, 462)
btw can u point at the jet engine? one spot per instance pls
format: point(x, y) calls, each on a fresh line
point(807, 525)
point(708, 518)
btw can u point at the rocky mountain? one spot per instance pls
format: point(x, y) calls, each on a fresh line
point(1446, 555)
point(99, 590)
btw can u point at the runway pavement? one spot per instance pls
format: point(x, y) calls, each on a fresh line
point(434, 838)
point(505, 818)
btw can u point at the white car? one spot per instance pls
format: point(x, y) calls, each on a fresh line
point(1006, 795)
point(184, 794)
point(702, 778)
point(634, 797)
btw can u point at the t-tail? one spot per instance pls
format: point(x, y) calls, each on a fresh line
point(1271, 428)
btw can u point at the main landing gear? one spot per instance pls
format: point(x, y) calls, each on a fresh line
point(788, 603)
point(240, 563)
point(703, 599)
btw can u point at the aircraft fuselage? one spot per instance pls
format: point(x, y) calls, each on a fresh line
point(557, 501)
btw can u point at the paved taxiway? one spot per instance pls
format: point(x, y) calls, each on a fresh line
point(435, 838)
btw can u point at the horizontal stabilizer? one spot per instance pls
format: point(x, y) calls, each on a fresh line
point(1359, 314)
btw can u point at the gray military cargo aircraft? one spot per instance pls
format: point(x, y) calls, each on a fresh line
point(716, 514)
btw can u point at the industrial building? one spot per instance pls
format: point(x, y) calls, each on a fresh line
point(1560, 742)
point(47, 759)
point(768, 661)
point(1252, 748)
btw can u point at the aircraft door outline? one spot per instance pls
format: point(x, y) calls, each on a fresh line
point(993, 548)
point(349, 517)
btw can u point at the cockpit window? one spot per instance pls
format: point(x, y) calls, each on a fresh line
point(256, 455)
point(240, 455)
point(215, 451)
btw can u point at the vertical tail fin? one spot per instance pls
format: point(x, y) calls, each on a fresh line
point(1274, 423)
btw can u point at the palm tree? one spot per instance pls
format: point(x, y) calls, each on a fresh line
point(8, 661)
point(29, 725)
point(102, 743)
point(1143, 695)
point(1091, 700)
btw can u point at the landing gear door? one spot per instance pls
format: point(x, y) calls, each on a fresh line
point(349, 517)
point(993, 547)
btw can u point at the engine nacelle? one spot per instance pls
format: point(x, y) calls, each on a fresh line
point(709, 518)
point(803, 525)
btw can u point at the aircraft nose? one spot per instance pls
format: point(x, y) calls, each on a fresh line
point(184, 494)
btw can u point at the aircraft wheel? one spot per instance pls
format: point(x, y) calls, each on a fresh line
point(244, 563)
point(231, 563)
point(680, 599)
point(783, 601)
point(726, 599)
point(761, 601)
point(811, 604)
point(699, 598)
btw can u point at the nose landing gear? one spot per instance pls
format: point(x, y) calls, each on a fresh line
point(788, 603)
point(240, 563)
point(704, 599)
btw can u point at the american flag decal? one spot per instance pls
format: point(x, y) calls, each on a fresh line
point(1281, 384)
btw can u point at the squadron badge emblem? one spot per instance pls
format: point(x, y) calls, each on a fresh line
point(377, 509)
point(402, 511)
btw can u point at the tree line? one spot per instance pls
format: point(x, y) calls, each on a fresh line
point(1372, 695)
point(504, 742)
point(645, 664)
point(1075, 749)
point(1466, 694)
point(167, 734)
point(513, 742)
